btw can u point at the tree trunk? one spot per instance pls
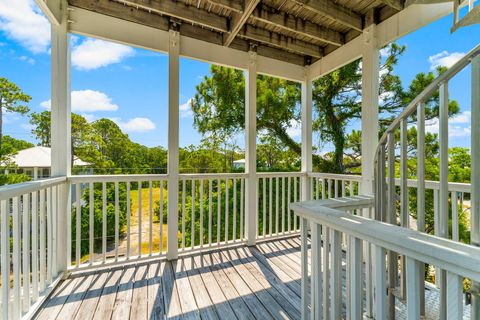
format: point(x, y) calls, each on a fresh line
point(339, 144)
point(292, 144)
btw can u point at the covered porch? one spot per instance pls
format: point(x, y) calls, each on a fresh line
point(246, 250)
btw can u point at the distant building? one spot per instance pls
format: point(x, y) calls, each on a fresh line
point(36, 162)
point(238, 164)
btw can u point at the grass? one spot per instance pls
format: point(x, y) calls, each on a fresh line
point(145, 212)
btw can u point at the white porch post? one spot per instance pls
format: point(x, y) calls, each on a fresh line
point(370, 88)
point(251, 216)
point(475, 176)
point(61, 129)
point(173, 142)
point(306, 136)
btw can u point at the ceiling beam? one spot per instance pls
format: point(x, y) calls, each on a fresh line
point(280, 41)
point(238, 20)
point(118, 10)
point(232, 5)
point(290, 23)
point(51, 9)
point(181, 11)
point(334, 11)
point(395, 4)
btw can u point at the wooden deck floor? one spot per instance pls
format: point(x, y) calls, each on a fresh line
point(261, 282)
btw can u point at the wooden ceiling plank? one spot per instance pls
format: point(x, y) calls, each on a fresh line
point(238, 20)
point(118, 10)
point(334, 11)
point(395, 4)
point(181, 11)
point(232, 5)
point(280, 41)
point(305, 28)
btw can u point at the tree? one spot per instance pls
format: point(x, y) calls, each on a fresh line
point(219, 106)
point(219, 103)
point(12, 100)
point(86, 143)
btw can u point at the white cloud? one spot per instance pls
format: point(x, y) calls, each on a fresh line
point(27, 59)
point(295, 129)
point(385, 52)
point(454, 131)
point(22, 21)
point(135, 124)
point(92, 54)
point(89, 117)
point(185, 110)
point(463, 117)
point(88, 101)
point(444, 58)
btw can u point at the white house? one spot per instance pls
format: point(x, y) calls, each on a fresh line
point(36, 162)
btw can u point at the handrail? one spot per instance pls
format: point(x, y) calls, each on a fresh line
point(435, 185)
point(336, 176)
point(13, 190)
point(449, 255)
point(426, 93)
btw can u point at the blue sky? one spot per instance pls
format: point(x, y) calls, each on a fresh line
point(129, 85)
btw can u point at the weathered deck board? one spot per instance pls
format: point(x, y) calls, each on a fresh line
point(261, 282)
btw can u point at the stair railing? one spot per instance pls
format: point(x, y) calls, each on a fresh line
point(386, 196)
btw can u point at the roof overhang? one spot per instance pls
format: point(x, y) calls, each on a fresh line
point(294, 39)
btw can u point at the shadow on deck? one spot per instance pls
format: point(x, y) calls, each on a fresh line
point(261, 282)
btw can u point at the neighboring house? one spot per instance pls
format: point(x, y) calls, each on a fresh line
point(36, 162)
point(238, 164)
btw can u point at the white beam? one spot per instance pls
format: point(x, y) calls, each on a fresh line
point(400, 24)
point(91, 24)
point(475, 175)
point(251, 198)
point(61, 129)
point(306, 114)
point(173, 142)
point(51, 9)
point(370, 87)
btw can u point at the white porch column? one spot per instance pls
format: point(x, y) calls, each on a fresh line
point(306, 114)
point(251, 217)
point(61, 129)
point(475, 176)
point(173, 142)
point(370, 88)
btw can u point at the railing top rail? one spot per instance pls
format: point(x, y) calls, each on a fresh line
point(116, 178)
point(430, 184)
point(211, 175)
point(14, 190)
point(446, 254)
point(336, 176)
point(428, 92)
point(280, 174)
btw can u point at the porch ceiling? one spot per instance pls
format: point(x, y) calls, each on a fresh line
point(294, 31)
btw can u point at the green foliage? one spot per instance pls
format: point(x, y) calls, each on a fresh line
point(219, 107)
point(12, 100)
point(98, 217)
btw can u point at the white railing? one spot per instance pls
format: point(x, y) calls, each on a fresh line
point(29, 239)
point(128, 218)
point(219, 214)
point(331, 185)
point(391, 203)
point(121, 219)
point(325, 296)
point(276, 190)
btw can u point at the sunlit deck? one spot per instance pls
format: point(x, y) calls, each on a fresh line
point(261, 282)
